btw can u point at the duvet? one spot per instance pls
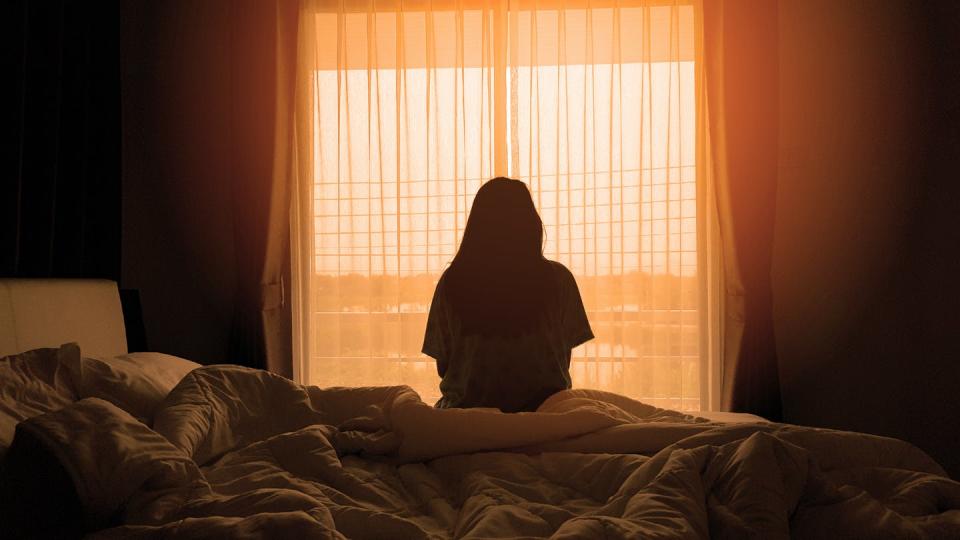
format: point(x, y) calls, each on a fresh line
point(241, 453)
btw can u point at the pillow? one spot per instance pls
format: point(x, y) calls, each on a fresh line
point(34, 383)
point(135, 382)
point(72, 470)
point(32, 477)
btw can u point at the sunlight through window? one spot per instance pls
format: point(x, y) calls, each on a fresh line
point(599, 122)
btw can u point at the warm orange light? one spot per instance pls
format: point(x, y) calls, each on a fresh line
point(601, 126)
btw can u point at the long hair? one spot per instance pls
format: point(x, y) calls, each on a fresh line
point(499, 283)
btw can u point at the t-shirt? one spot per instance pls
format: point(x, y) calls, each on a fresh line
point(513, 373)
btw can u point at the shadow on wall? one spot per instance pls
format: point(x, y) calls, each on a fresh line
point(178, 245)
point(866, 253)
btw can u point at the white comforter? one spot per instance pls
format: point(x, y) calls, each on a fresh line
point(241, 453)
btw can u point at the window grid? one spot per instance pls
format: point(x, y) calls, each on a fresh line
point(378, 250)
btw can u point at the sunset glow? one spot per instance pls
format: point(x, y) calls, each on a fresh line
point(607, 149)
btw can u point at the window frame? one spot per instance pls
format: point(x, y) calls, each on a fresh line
point(710, 265)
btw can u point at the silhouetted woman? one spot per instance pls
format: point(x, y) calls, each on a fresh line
point(504, 318)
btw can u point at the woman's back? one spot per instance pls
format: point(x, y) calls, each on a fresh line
point(504, 318)
point(512, 370)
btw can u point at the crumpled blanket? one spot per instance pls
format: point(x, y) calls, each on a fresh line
point(242, 453)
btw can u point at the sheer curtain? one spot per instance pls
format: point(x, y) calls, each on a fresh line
point(405, 108)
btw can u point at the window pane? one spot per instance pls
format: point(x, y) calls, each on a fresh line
point(600, 125)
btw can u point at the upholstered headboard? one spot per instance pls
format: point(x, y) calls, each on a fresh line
point(38, 313)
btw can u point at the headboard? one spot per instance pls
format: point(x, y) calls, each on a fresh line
point(38, 313)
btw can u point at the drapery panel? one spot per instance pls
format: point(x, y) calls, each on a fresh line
point(405, 108)
point(741, 79)
point(264, 48)
point(60, 189)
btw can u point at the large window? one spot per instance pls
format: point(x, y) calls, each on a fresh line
point(412, 109)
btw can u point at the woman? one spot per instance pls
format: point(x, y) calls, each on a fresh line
point(504, 318)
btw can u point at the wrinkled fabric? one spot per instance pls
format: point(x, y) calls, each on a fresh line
point(112, 457)
point(285, 460)
point(35, 382)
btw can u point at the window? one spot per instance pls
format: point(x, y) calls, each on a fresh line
point(411, 109)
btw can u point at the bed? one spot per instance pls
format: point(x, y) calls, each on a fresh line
point(99, 442)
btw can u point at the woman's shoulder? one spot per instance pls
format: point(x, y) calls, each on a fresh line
point(441, 282)
point(562, 272)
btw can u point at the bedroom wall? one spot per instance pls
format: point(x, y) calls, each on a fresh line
point(178, 245)
point(866, 236)
point(866, 242)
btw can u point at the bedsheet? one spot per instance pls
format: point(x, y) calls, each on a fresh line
point(242, 453)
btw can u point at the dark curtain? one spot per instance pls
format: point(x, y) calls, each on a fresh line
point(263, 48)
point(60, 162)
point(742, 86)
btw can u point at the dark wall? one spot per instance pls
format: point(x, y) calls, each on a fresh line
point(60, 126)
point(867, 242)
point(178, 241)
